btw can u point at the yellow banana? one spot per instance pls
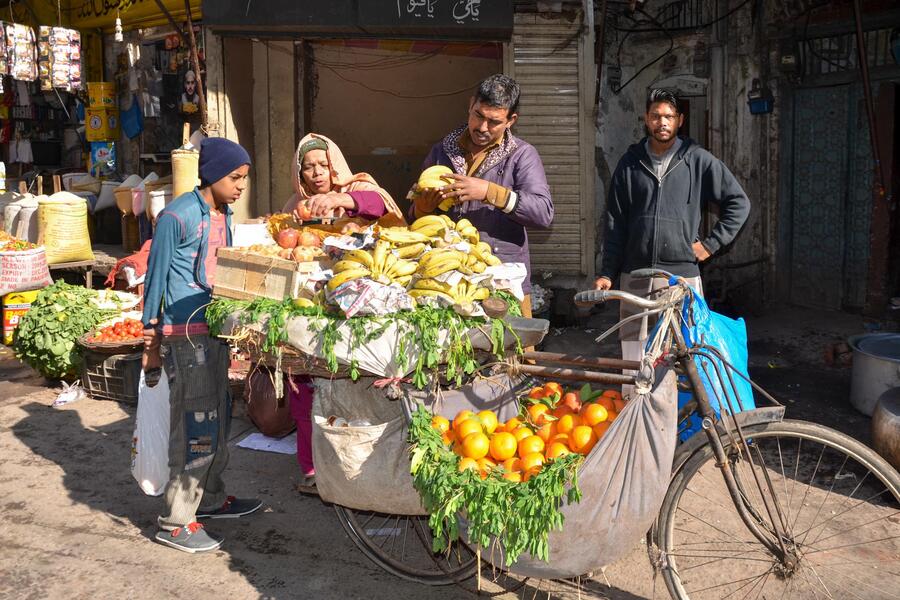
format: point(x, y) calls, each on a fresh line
point(403, 237)
point(481, 293)
point(470, 259)
point(345, 265)
point(431, 294)
point(410, 250)
point(492, 261)
point(426, 221)
point(361, 256)
point(477, 266)
point(463, 224)
point(442, 267)
point(432, 284)
point(390, 260)
point(402, 268)
point(446, 204)
point(431, 178)
point(345, 276)
point(437, 255)
point(448, 221)
point(378, 255)
point(433, 229)
point(404, 281)
point(303, 303)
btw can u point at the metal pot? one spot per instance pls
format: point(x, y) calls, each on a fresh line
point(886, 427)
point(876, 368)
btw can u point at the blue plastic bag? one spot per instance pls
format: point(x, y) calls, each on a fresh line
point(701, 326)
point(132, 120)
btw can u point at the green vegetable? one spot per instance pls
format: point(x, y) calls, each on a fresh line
point(515, 307)
point(420, 328)
point(519, 515)
point(46, 335)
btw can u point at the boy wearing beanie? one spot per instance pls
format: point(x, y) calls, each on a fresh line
point(180, 277)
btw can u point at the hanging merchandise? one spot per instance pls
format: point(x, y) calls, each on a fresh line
point(21, 52)
point(59, 58)
point(132, 119)
point(103, 158)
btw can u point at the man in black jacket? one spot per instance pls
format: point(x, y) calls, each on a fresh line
point(658, 192)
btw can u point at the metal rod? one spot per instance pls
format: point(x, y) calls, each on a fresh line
point(579, 360)
point(195, 59)
point(178, 30)
point(870, 105)
point(576, 375)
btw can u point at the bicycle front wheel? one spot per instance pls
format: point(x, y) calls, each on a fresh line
point(835, 499)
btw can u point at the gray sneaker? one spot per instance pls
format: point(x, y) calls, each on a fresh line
point(191, 538)
point(231, 509)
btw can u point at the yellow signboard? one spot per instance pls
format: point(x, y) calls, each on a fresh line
point(101, 14)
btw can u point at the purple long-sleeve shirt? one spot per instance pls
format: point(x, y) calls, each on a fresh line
point(369, 205)
point(522, 172)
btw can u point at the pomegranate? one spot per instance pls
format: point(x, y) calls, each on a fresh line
point(288, 238)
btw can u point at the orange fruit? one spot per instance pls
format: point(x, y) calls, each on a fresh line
point(467, 463)
point(594, 413)
point(571, 400)
point(512, 464)
point(538, 413)
point(556, 450)
point(457, 448)
point(467, 427)
point(552, 387)
point(567, 423)
point(503, 445)
point(449, 437)
point(513, 476)
point(530, 473)
point(521, 433)
point(475, 445)
point(611, 394)
point(613, 415)
point(488, 421)
point(530, 461)
point(511, 425)
point(530, 445)
point(461, 416)
point(536, 393)
point(606, 403)
point(440, 423)
point(582, 439)
point(562, 410)
point(600, 429)
point(546, 431)
point(486, 464)
point(619, 404)
point(563, 438)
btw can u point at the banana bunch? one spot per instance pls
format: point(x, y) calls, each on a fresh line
point(467, 231)
point(380, 265)
point(462, 294)
point(442, 260)
point(432, 178)
point(433, 226)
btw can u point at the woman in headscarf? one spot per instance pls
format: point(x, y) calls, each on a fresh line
point(324, 186)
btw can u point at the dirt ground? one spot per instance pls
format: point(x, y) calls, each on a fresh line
point(76, 525)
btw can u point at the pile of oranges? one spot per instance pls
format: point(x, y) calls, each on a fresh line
point(553, 424)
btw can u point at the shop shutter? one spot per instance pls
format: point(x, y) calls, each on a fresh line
point(551, 56)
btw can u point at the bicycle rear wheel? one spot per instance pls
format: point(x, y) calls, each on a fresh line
point(401, 545)
point(838, 503)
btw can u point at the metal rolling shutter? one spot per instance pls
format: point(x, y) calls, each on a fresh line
point(551, 57)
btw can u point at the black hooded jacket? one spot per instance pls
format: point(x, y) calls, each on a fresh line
point(652, 222)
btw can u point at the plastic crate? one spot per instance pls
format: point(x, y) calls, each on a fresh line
point(111, 376)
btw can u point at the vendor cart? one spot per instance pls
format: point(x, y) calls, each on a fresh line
point(752, 504)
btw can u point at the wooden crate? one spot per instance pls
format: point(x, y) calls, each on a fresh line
point(244, 276)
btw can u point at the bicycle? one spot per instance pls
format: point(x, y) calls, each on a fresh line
point(797, 509)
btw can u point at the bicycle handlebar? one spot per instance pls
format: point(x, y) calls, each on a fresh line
point(589, 297)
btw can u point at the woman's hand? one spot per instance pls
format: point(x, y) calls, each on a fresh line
point(330, 205)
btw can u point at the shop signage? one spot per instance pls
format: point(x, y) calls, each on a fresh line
point(432, 19)
point(101, 14)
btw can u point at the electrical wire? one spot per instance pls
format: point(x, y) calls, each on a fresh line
point(686, 28)
point(468, 88)
point(649, 64)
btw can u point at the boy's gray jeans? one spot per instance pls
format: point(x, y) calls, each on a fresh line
point(200, 400)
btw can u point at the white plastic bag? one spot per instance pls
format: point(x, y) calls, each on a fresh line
point(150, 443)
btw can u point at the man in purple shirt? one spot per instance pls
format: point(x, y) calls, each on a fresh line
point(499, 182)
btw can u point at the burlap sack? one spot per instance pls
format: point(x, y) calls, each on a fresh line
point(367, 467)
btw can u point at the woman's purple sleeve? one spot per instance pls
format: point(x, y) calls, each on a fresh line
point(369, 205)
